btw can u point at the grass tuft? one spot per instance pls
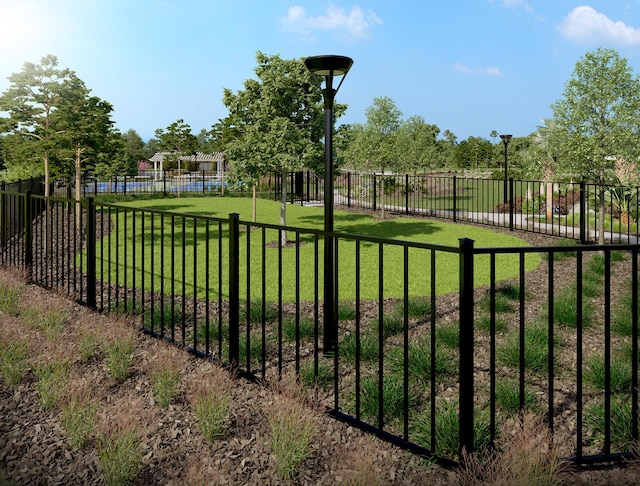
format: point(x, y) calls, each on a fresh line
point(119, 355)
point(164, 385)
point(211, 408)
point(13, 361)
point(52, 377)
point(119, 456)
point(291, 429)
point(79, 420)
point(525, 457)
point(10, 296)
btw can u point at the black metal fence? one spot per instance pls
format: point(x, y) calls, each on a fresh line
point(570, 210)
point(564, 209)
point(439, 347)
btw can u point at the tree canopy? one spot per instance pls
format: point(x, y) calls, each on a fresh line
point(597, 117)
point(50, 116)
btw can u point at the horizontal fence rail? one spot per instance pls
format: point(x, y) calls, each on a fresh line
point(438, 348)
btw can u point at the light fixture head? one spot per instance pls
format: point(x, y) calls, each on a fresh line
point(506, 138)
point(328, 65)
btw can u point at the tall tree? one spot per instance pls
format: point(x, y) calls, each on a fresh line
point(32, 101)
point(136, 149)
point(419, 143)
point(178, 141)
point(375, 144)
point(275, 123)
point(597, 118)
point(85, 130)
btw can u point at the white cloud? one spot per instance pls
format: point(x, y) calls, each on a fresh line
point(585, 25)
point(488, 71)
point(356, 23)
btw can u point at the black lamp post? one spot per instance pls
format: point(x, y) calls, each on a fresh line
point(505, 141)
point(328, 67)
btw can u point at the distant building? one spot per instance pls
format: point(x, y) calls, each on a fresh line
point(208, 162)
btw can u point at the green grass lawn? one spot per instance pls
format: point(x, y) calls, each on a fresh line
point(292, 263)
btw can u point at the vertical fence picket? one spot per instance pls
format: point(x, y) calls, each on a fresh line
point(234, 289)
point(91, 253)
point(466, 392)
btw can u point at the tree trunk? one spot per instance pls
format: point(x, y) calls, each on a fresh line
point(283, 208)
point(549, 203)
point(46, 174)
point(626, 219)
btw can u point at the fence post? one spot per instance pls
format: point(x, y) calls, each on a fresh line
point(466, 391)
point(234, 289)
point(91, 252)
point(511, 198)
point(375, 192)
point(348, 189)
point(455, 199)
point(28, 236)
point(583, 212)
point(3, 215)
point(164, 182)
point(406, 193)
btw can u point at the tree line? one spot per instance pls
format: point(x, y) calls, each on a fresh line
point(54, 126)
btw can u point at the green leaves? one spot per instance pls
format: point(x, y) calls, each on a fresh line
point(597, 118)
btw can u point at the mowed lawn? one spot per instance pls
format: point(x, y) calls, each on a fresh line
point(183, 251)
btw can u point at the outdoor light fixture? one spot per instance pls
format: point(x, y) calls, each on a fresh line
point(328, 67)
point(505, 141)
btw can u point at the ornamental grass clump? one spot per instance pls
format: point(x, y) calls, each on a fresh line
point(13, 361)
point(119, 456)
point(119, 355)
point(10, 296)
point(52, 377)
point(164, 385)
point(211, 408)
point(79, 420)
point(524, 456)
point(291, 428)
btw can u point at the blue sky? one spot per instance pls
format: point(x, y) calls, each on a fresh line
point(469, 66)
